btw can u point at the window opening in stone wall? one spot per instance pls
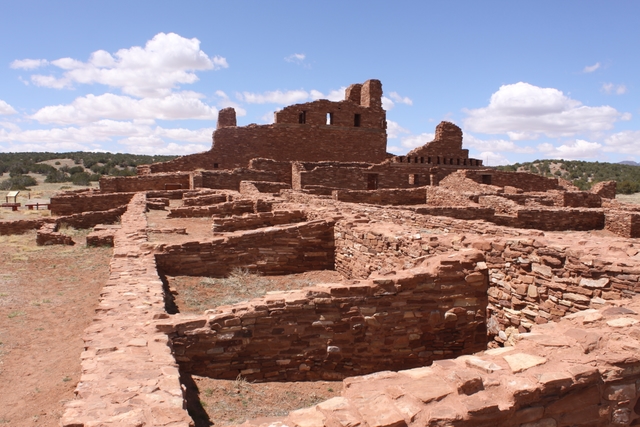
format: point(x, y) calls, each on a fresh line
point(302, 117)
point(421, 159)
point(329, 118)
point(356, 120)
point(414, 179)
point(486, 179)
point(428, 159)
point(415, 159)
point(372, 181)
point(215, 166)
point(438, 160)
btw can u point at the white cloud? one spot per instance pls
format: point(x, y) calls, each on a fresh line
point(387, 103)
point(28, 64)
point(400, 99)
point(166, 61)
point(494, 145)
point(6, 109)
point(224, 101)
point(139, 137)
point(182, 105)
point(610, 88)
point(577, 149)
point(394, 129)
point(490, 158)
point(414, 141)
point(275, 97)
point(297, 58)
point(623, 142)
point(524, 111)
point(591, 68)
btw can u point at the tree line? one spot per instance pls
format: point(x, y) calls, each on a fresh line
point(88, 167)
point(583, 174)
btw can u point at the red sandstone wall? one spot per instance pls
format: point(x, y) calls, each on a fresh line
point(230, 180)
point(623, 223)
point(71, 202)
point(334, 331)
point(414, 196)
point(119, 184)
point(284, 250)
point(282, 169)
point(258, 220)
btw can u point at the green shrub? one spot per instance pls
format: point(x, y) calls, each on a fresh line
point(18, 182)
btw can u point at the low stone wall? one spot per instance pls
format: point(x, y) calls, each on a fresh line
point(102, 235)
point(90, 219)
point(22, 226)
point(534, 281)
point(81, 220)
point(119, 184)
point(623, 223)
point(439, 196)
point(412, 196)
point(230, 179)
point(129, 376)
point(276, 250)
point(168, 194)
point(334, 331)
point(500, 204)
point(237, 207)
point(581, 199)
point(48, 235)
point(581, 372)
point(205, 200)
point(257, 187)
point(459, 212)
point(253, 221)
point(72, 203)
point(558, 219)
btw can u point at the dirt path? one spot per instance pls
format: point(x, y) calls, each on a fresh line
point(47, 298)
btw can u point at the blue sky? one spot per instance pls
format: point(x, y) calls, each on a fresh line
point(524, 80)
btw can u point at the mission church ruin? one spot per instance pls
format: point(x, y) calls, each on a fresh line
point(469, 296)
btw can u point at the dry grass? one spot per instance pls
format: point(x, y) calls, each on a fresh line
point(629, 198)
point(194, 295)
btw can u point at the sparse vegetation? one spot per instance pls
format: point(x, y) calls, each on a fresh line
point(583, 174)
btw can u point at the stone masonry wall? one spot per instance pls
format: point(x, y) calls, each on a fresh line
point(230, 179)
point(581, 372)
point(119, 184)
point(334, 331)
point(129, 376)
point(275, 250)
point(256, 187)
point(258, 220)
point(237, 207)
point(414, 196)
point(623, 223)
point(71, 202)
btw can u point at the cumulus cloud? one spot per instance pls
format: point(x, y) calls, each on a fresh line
point(154, 70)
point(491, 158)
point(492, 145)
point(90, 137)
point(400, 99)
point(591, 68)
point(414, 141)
point(623, 142)
point(394, 129)
point(610, 88)
point(224, 101)
point(28, 64)
point(6, 109)
point(85, 109)
point(577, 149)
point(275, 97)
point(525, 111)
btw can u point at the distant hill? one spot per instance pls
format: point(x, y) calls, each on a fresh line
point(77, 167)
point(584, 174)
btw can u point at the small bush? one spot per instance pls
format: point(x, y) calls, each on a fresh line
point(18, 182)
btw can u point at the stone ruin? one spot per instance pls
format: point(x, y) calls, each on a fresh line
point(471, 297)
